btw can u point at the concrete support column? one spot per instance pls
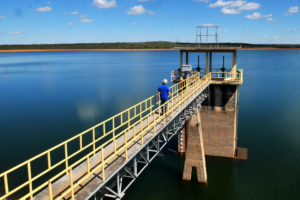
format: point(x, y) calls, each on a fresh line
point(206, 64)
point(187, 58)
point(195, 155)
point(234, 68)
point(210, 61)
point(181, 63)
point(218, 98)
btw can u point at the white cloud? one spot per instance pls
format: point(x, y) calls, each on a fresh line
point(250, 6)
point(232, 7)
point(257, 15)
point(138, 10)
point(69, 24)
point(44, 9)
point(292, 10)
point(133, 24)
point(230, 11)
point(237, 3)
point(219, 3)
point(105, 3)
point(85, 19)
point(2, 17)
point(15, 33)
point(75, 13)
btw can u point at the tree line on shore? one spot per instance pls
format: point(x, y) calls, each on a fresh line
point(139, 45)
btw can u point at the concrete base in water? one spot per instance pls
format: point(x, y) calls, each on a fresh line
point(218, 129)
point(219, 132)
point(195, 156)
point(219, 122)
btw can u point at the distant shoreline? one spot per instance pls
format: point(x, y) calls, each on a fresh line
point(41, 50)
point(163, 49)
point(249, 49)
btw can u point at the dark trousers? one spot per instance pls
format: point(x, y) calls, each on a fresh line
point(162, 101)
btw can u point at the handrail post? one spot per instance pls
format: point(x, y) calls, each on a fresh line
point(128, 116)
point(71, 184)
point(49, 159)
point(50, 190)
point(126, 147)
point(88, 165)
point(115, 144)
point(66, 157)
point(103, 163)
point(29, 179)
point(80, 142)
point(141, 111)
point(6, 184)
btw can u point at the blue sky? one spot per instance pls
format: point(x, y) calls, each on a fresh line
point(81, 21)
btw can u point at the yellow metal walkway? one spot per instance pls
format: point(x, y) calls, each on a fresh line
point(77, 167)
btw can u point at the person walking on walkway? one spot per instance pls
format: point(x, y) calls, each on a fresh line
point(164, 94)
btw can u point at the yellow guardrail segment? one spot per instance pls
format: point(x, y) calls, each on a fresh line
point(175, 74)
point(101, 135)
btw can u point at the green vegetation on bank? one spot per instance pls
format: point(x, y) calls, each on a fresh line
point(138, 45)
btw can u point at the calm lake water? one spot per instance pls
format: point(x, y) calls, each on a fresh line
point(47, 97)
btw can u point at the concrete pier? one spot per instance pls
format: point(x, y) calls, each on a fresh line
point(195, 155)
point(219, 119)
point(218, 122)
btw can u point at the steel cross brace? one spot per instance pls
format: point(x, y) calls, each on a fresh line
point(116, 186)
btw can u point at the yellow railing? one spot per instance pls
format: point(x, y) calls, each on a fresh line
point(175, 74)
point(99, 138)
point(232, 77)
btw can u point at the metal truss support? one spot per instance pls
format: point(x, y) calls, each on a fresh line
point(116, 186)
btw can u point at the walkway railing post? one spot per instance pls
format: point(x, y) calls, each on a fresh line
point(126, 146)
point(103, 163)
point(50, 190)
point(71, 184)
point(66, 157)
point(49, 159)
point(6, 184)
point(29, 179)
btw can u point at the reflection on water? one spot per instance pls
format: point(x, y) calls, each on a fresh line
point(47, 97)
point(88, 111)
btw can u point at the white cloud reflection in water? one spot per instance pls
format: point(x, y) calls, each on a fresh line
point(88, 111)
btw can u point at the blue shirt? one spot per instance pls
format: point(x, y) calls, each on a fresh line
point(164, 92)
